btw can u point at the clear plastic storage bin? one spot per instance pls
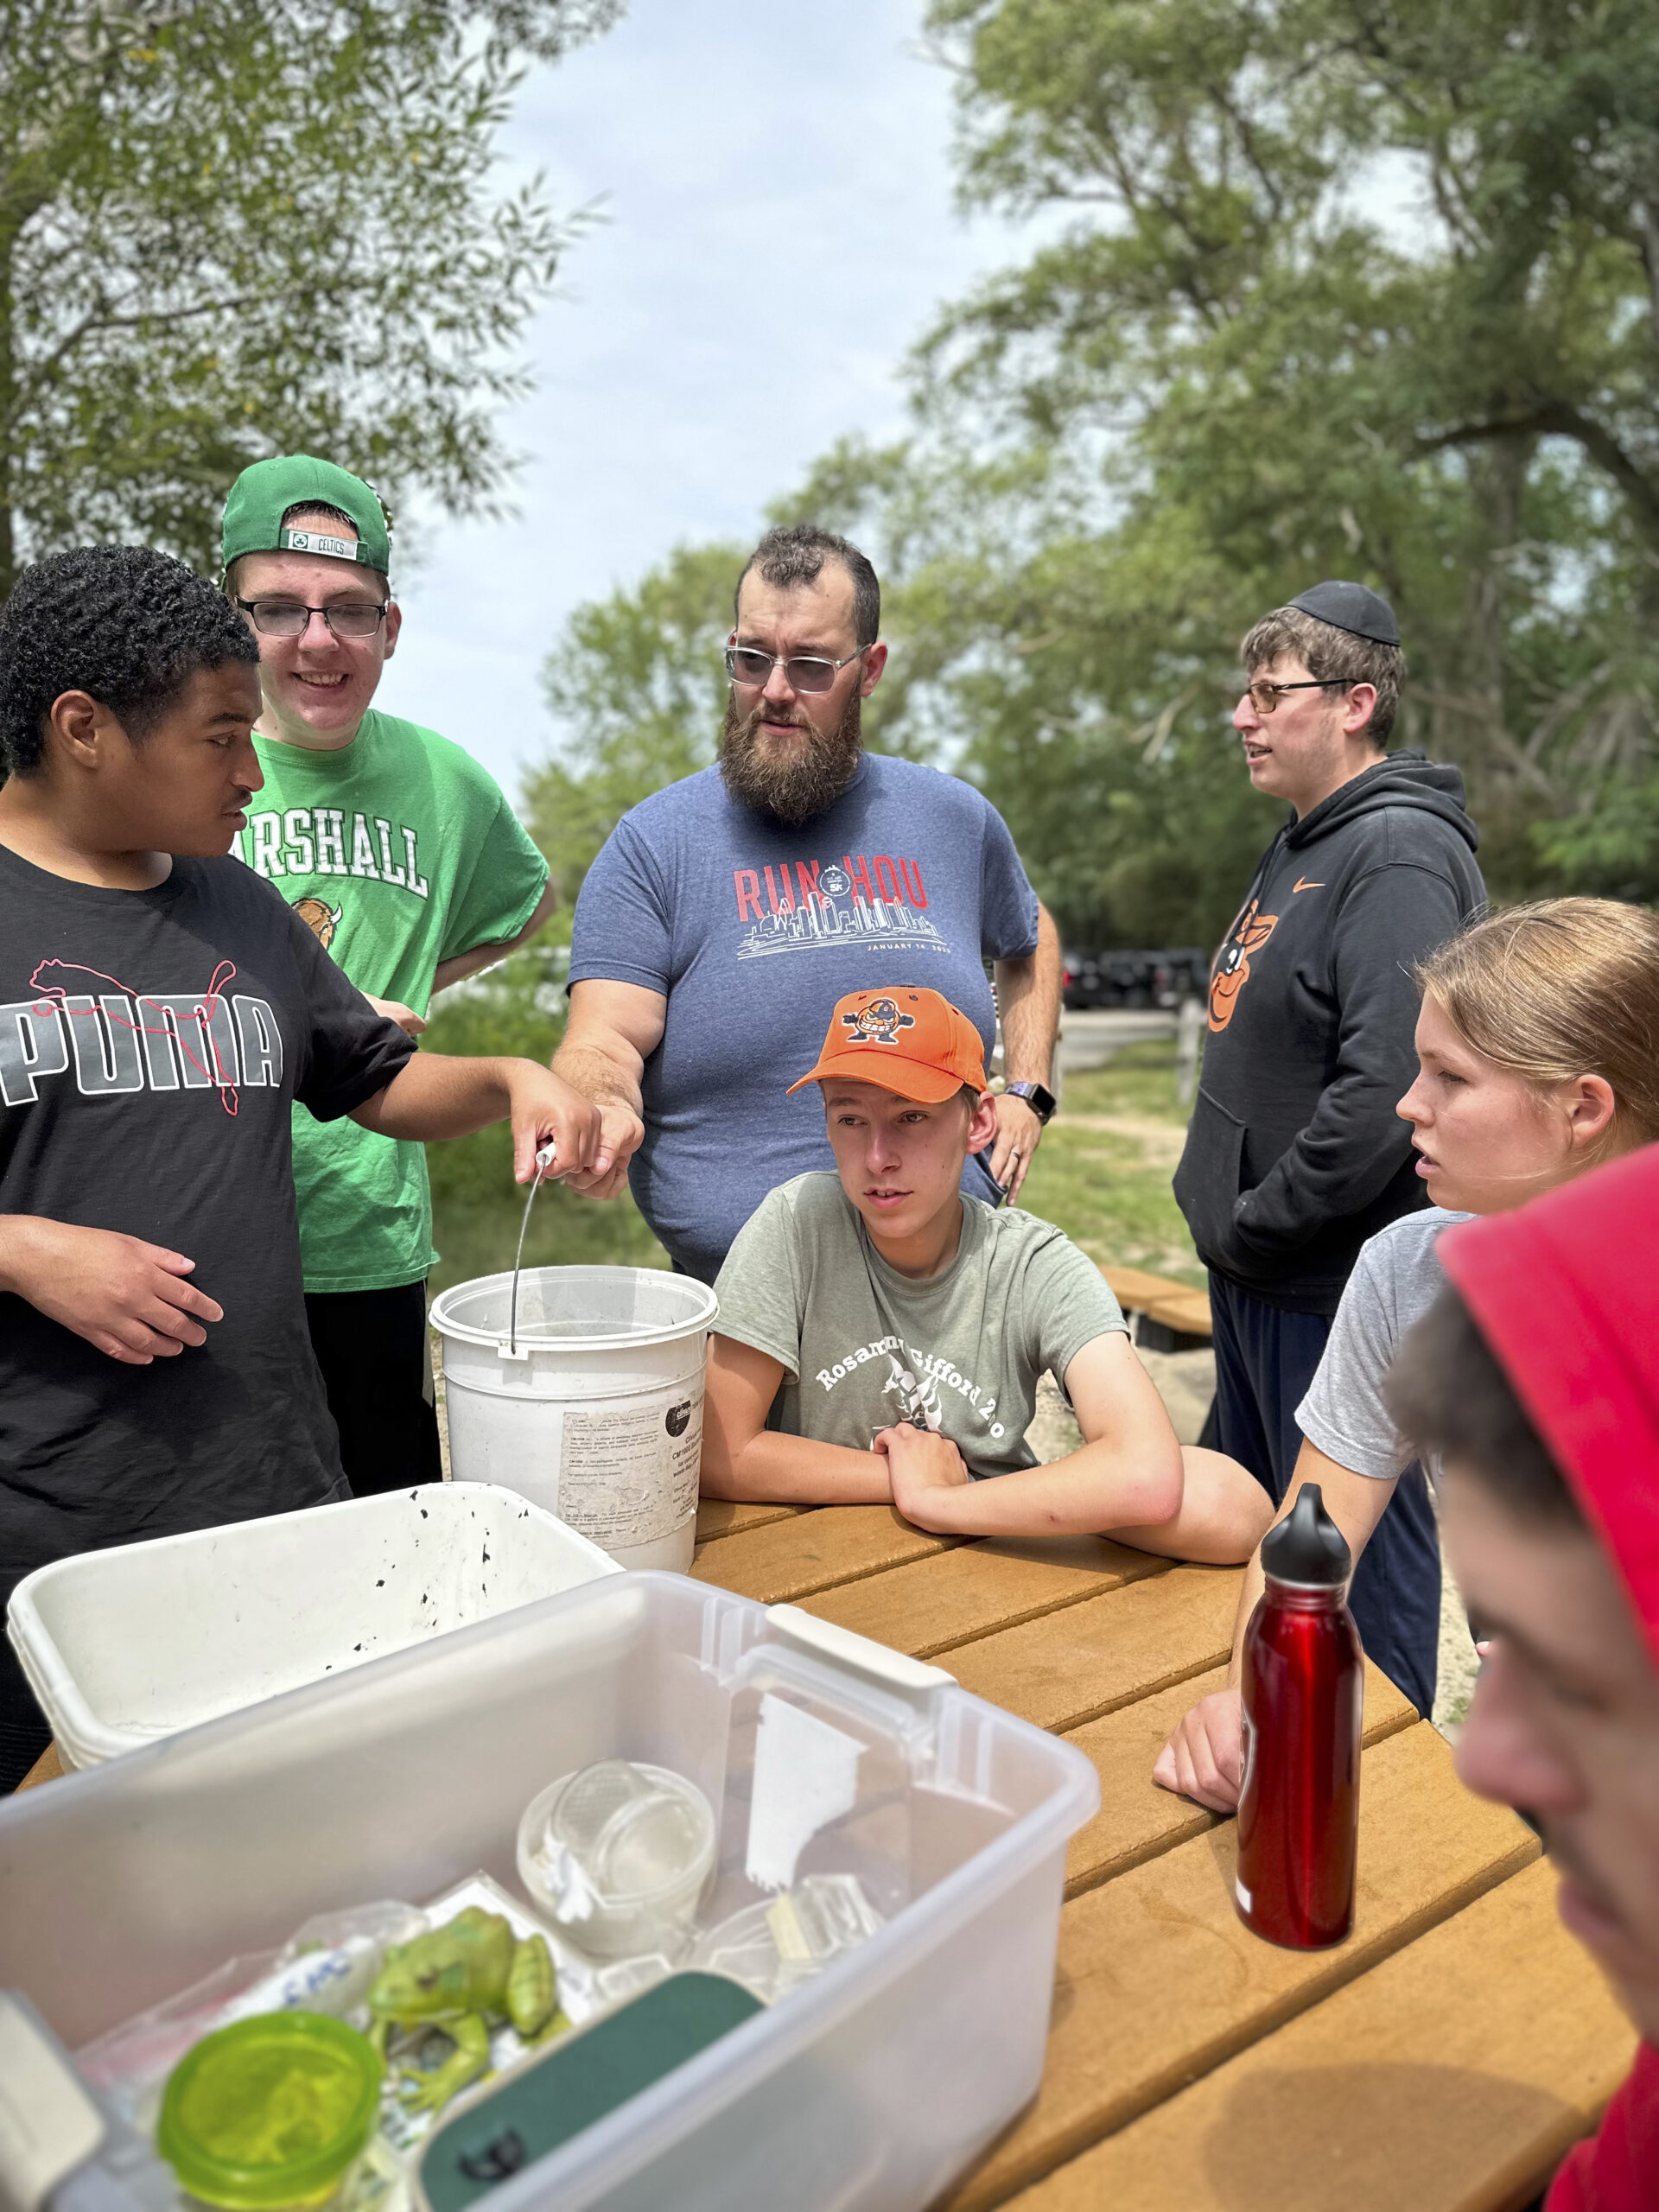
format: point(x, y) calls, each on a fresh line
point(870, 2085)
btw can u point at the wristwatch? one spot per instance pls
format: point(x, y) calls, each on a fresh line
point(1041, 1101)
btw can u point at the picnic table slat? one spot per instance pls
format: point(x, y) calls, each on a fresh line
point(934, 1605)
point(1071, 1666)
point(786, 1560)
point(729, 1517)
point(1138, 1287)
point(1158, 1982)
point(1451, 2079)
point(48, 1767)
point(1137, 1819)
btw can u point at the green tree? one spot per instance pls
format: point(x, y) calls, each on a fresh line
point(230, 227)
point(637, 684)
point(1335, 289)
point(1269, 381)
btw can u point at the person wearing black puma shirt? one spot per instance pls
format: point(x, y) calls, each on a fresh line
point(160, 1008)
point(1295, 1154)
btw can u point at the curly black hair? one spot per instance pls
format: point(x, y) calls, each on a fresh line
point(125, 624)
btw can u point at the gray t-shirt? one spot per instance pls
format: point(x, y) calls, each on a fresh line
point(866, 1348)
point(1395, 1280)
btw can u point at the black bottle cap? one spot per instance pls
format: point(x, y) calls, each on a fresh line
point(1306, 1546)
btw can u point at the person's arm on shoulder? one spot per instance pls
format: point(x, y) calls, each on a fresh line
point(433, 1097)
point(1127, 1474)
point(126, 1298)
point(612, 1031)
point(1204, 1756)
point(743, 1459)
point(1028, 999)
point(1355, 1143)
point(485, 956)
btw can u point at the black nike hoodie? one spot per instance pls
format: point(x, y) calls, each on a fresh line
point(1295, 1154)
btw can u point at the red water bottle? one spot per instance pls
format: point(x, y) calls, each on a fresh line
point(1303, 1691)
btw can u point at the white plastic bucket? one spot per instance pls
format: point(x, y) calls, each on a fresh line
point(123, 1646)
point(590, 1404)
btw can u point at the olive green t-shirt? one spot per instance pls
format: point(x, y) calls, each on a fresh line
point(398, 851)
point(866, 1348)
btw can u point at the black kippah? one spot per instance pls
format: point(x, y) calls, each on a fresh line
point(1353, 607)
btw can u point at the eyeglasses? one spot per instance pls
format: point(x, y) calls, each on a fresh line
point(802, 672)
point(281, 617)
point(1264, 697)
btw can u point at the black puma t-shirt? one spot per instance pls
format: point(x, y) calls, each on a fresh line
point(151, 1045)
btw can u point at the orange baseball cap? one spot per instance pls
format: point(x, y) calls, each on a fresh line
point(913, 1043)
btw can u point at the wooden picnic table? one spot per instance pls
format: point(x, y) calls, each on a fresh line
point(1440, 2060)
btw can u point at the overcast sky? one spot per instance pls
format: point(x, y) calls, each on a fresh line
point(779, 227)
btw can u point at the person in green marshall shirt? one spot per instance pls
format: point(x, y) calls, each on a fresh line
point(402, 855)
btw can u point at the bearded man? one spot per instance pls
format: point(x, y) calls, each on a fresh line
point(728, 914)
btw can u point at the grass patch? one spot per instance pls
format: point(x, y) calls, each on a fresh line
point(1104, 1171)
point(1103, 1174)
point(476, 1236)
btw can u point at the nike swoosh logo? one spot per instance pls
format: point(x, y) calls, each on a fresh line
point(1302, 883)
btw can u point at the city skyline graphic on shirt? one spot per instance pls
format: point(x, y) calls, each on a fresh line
point(830, 909)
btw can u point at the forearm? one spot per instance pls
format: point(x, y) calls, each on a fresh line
point(1028, 1000)
point(795, 1470)
point(598, 1076)
point(1225, 1513)
point(461, 964)
point(1250, 1597)
point(1092, 1491)
point(478, 956)
point(432, 1096)
point(20, 1238)
point(1354, 1502)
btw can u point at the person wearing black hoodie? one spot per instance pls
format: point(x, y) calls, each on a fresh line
point(1295, 1154)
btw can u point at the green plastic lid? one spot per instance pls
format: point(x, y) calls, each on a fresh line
point(269, 2112)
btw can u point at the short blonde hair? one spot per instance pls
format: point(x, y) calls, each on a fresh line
point(1559, 988)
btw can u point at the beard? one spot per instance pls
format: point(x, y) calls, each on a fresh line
point(797, 780)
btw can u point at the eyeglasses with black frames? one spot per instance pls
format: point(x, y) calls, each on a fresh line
point(284, 617)
point(1264, 697)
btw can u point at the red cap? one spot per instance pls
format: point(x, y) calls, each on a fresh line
point(1564, 1292)
point(912, 1043)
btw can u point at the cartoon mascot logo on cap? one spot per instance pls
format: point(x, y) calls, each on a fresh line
point(319, 918)
point(1232, 971)
point(879, 1023)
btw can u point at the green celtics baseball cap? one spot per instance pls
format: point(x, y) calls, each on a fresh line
point(263, 494)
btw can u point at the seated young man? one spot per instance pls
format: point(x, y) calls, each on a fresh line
point(880, 1336)
point(161, 1009)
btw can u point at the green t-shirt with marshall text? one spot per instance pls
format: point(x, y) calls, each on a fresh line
point(399, 851)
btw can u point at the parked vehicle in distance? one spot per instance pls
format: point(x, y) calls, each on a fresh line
point(1079, 979)
point(1119, 978)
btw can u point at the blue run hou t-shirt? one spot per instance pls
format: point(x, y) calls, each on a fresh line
point(752, 930)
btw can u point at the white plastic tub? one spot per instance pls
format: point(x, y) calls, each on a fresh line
point(125, 1646)
point(589, 1401)
point(869, 2085)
